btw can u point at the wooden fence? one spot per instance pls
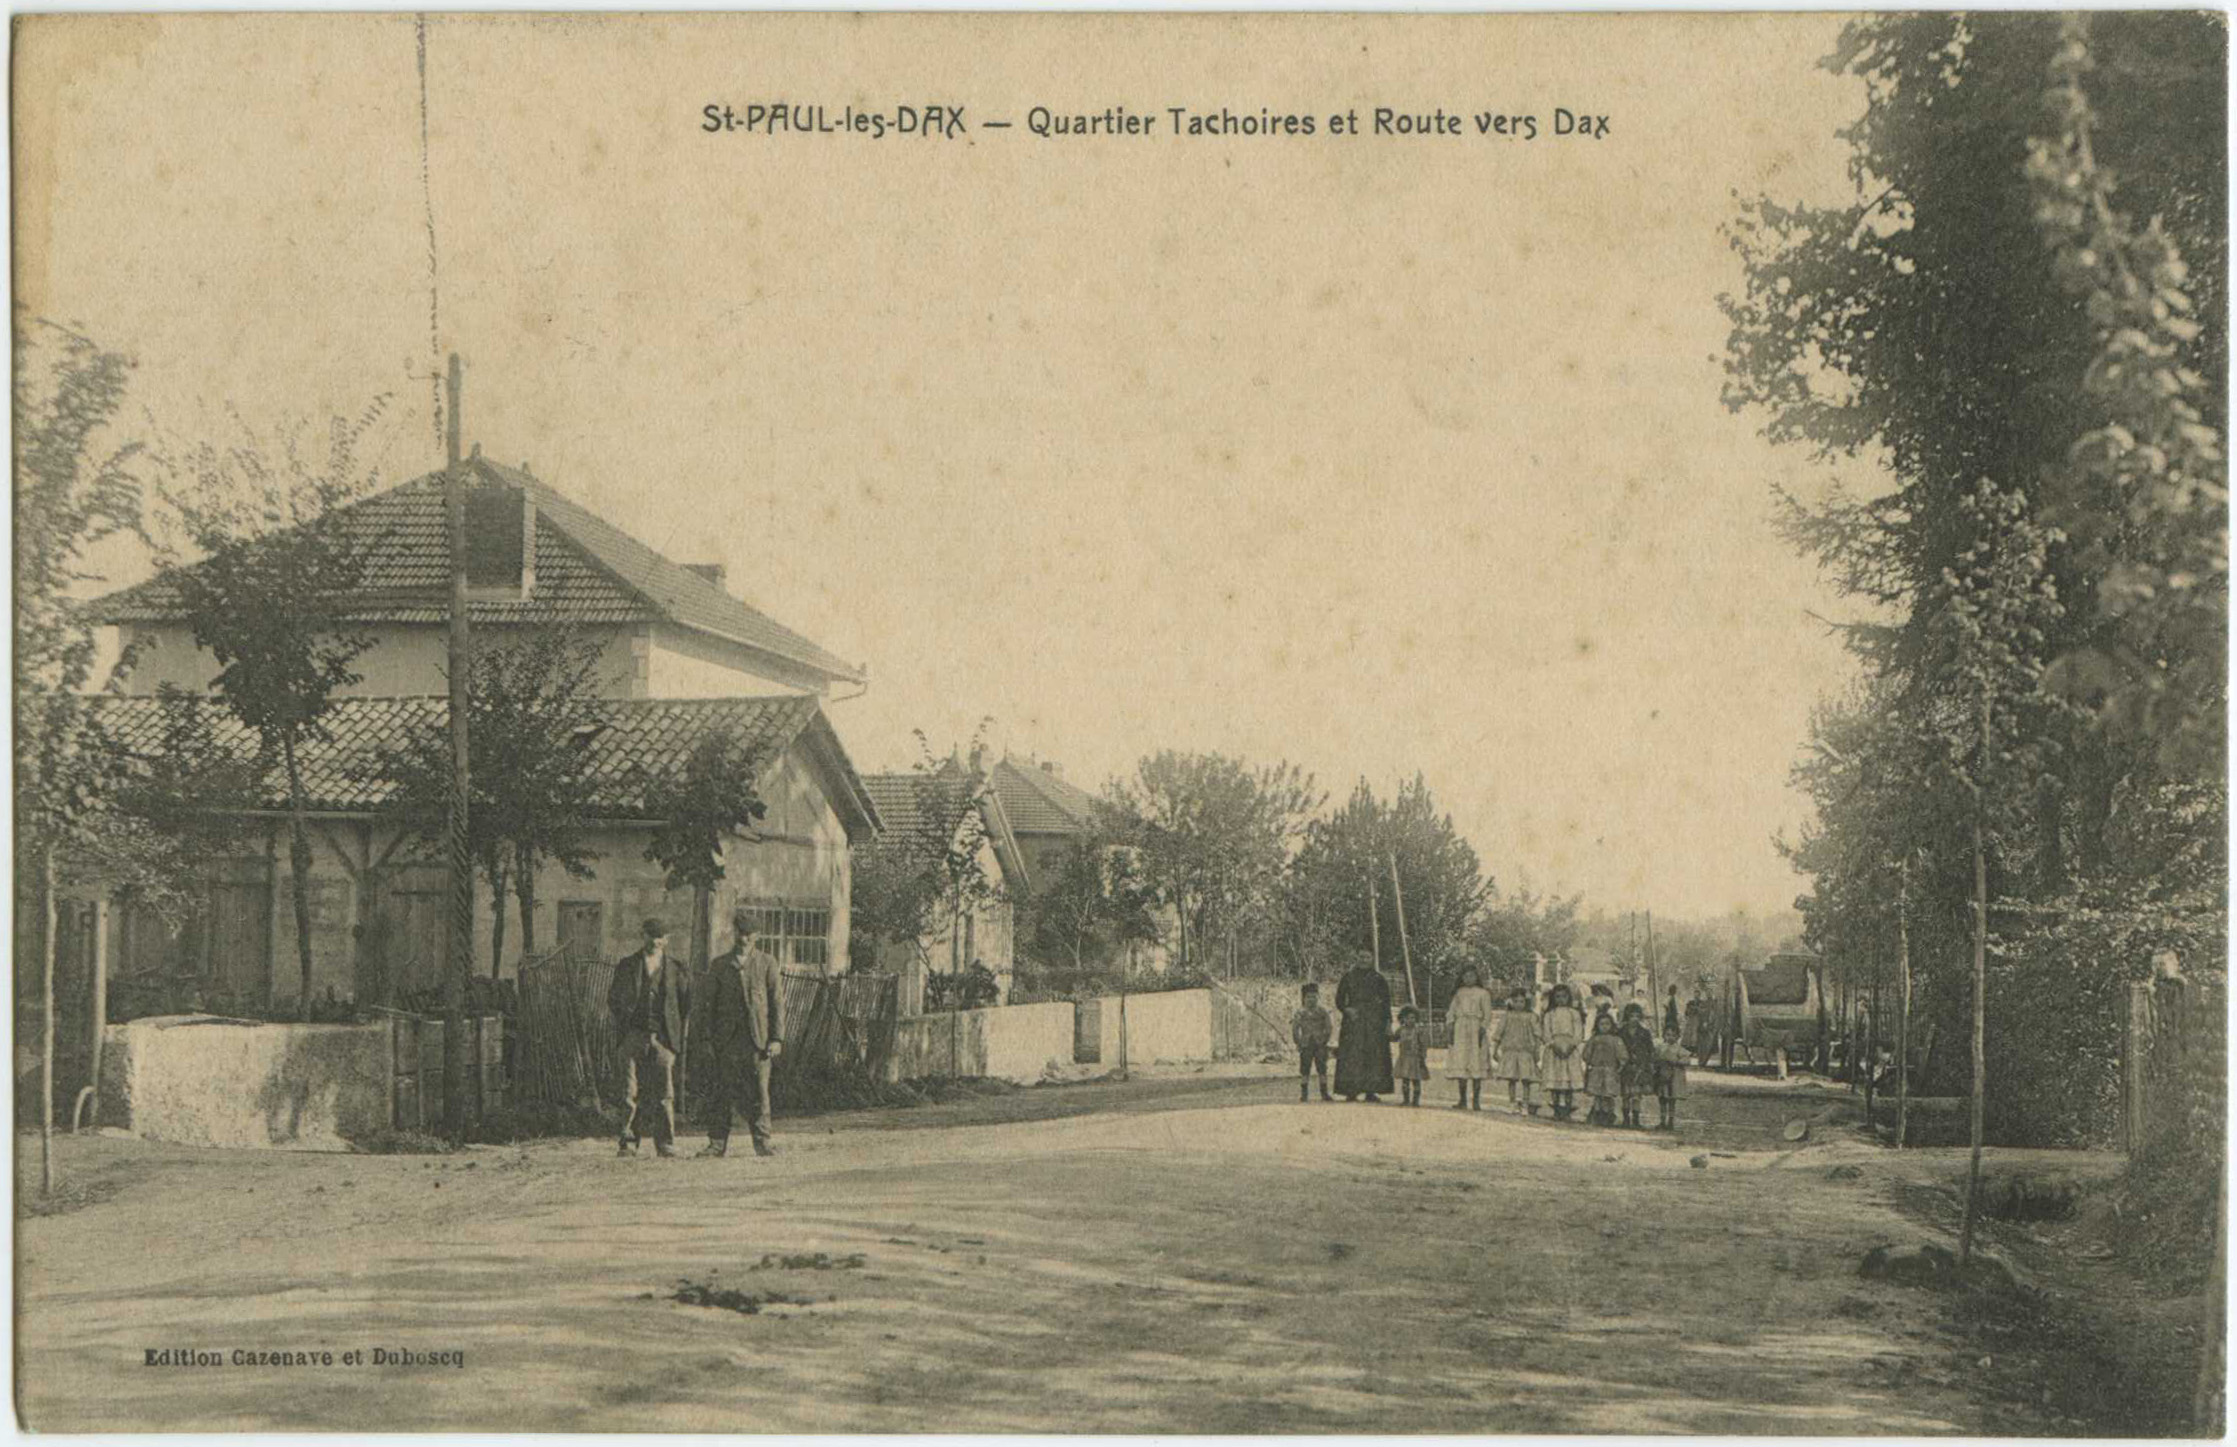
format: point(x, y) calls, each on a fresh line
point(417, 1065)
point(835, 1027)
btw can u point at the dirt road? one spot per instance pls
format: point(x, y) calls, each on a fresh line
point(1221, 1261)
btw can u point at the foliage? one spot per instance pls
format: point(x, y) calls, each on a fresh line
point(1214, 837)
point(1095, 901)
point(2041, 588)
point(2145, 494)
point(700, 807)
point(266, 583)
point(969, 988)
point(1346, 860)
point(915, 886)
point(531, 709)
point(1514, 931)
point(76, 490)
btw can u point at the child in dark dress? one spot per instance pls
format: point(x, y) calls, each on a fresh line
point(1413, 1055)
point(1638, 1063)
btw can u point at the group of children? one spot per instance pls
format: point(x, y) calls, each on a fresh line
point(1616, 1062)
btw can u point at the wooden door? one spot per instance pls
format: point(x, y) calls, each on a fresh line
point(582, 929)
point(413, 930)
point(238, 939)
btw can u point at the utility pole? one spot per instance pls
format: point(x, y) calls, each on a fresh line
point(1654, 983)
point(460, 659)
point(1903, 1021)
point(1980, 983)
point(1398, 897)
point(1374, 923)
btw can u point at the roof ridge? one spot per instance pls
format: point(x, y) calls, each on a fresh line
point(1047, 785)
point(675, 574)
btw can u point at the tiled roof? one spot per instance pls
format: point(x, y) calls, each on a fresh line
point(897, 801)
point(900, 812)
point(1039, 802)
point(587, 571)
point(343, 773)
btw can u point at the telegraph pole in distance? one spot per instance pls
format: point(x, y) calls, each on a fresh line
point(461, 857)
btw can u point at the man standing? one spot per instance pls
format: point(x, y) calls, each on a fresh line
point(649, 1000)
point(745, 1033)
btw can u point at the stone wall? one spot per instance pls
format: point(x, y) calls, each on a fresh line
point(1018, 1043)
point(1167, 1027)
point(198, 1080)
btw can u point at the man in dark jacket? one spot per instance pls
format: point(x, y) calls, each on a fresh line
point(650, 999)
point(745, 1028)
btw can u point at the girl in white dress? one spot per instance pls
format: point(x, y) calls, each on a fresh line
point(1469, 1059)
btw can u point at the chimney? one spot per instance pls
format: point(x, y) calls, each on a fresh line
point(1052, 768)
point(712, 572)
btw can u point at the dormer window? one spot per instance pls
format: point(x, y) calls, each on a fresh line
point(500, 543)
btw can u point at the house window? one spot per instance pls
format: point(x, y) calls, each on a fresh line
point(808, 936)
point(794, 934)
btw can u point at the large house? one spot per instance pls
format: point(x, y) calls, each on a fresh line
point(684, 658)
point(534, 558)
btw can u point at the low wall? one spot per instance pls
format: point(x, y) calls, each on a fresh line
point(1169, 1026)
point(200, 1081)
point(1008, 1042)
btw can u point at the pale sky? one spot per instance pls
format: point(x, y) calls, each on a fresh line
point(1374, 454)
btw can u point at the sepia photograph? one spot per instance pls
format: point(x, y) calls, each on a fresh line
point(1121, 724)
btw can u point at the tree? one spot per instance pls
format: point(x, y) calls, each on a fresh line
point(1916, 328)
point(701, 807)
point(2044, 583)
point(1214, 836)
point(73, 491)
point(917, 884)
point(1346, 859)
point(1514, 931)
point(1094, 900)
point(2144, 495)
point(267, 580)
point(533, 709)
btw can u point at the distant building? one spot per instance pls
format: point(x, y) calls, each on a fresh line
point(1050, 815)
point(1047, 812)
point(986, 935)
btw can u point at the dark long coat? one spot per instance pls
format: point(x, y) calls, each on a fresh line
point(1363, 1050)
point(745, 1009)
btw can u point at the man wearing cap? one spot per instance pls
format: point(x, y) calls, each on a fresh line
point(649, 1001)
point(745, 1029)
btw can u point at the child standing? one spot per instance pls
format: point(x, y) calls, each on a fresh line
point(1515, 1043)
point(1670, 1062)
point(1638, 1063)
point(1604, 1057)
point(1413, 1055)
point(1562, 1031)
point(1469, 1059)
point(1310, 1028)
